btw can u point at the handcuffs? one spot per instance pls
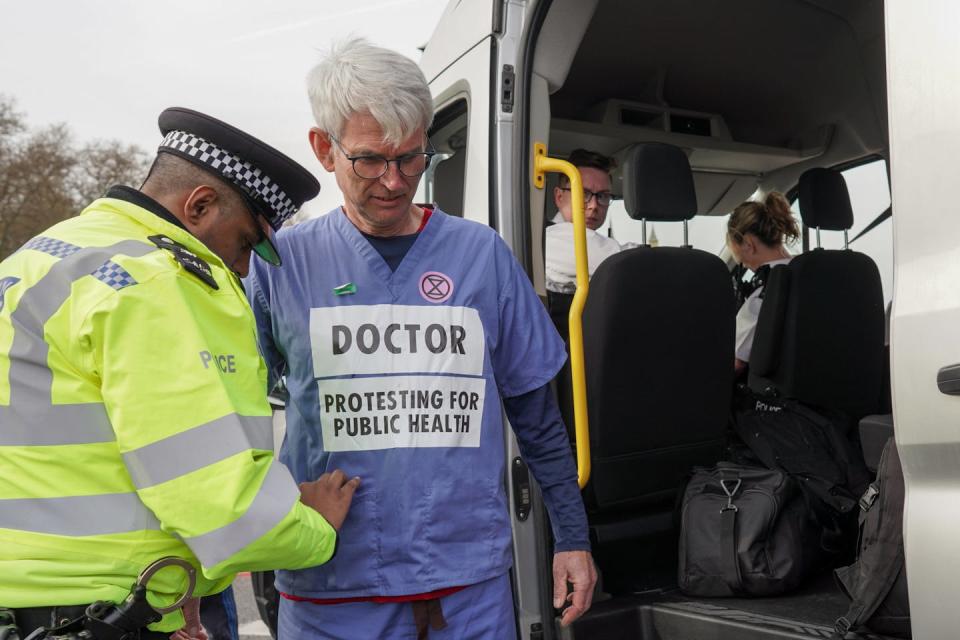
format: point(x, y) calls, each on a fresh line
point(108, 621)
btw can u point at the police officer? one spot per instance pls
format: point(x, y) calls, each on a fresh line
point(757, 234)
point(133, 419)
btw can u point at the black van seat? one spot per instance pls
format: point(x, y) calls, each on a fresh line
point(875, 430)
point(558, 305)
point(658, 350)
point(819, 336)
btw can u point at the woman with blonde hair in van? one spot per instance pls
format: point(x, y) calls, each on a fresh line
point(757, 233)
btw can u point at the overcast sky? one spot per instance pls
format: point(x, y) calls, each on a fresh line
point(107, 68)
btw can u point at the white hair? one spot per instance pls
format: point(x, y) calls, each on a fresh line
point(358, 77)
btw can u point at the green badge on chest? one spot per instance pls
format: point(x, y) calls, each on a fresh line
point(346, 289)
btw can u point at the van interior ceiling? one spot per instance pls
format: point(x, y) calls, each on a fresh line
point(755, 92)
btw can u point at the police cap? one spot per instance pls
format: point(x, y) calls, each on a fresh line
point(277, 185)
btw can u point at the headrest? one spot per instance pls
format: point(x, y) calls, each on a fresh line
point(658, 183)
point(824, 201)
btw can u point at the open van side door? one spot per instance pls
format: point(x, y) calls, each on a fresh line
point(470, 63)
point(923, 80)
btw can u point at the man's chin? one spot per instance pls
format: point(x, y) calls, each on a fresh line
point(389, 211)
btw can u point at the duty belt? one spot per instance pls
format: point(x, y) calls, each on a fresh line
point(106, 620)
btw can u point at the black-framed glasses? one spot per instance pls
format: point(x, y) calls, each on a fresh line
point(603, 197)
point(371, 167)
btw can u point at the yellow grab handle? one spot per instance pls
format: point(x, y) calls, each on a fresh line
point(541, 165)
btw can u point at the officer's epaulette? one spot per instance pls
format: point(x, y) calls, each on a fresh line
point(190, 261)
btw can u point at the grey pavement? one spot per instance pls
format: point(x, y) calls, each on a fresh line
point(248, 618)
point(251, 627)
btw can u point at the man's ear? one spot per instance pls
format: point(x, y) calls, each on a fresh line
point(200, 206)
point(557, 194)
point(322, 147)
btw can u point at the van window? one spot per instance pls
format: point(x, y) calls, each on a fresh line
point(703, 232)
point(444, 180)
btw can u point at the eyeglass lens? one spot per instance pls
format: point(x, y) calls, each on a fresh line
point(603, 197)
point(410, 165)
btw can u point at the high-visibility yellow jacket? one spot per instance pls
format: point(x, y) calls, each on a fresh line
point(133, 420)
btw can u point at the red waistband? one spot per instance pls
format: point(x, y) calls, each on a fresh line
point(431, 595)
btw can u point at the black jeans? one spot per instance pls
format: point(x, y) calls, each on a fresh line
point(218, 614)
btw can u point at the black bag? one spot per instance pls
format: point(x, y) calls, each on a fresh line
point(8, 625)
point(744, 531)
point(818, 449)
point(877, 582)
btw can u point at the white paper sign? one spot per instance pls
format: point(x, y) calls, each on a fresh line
point(361, 414)
point(385, 338)
point(419, 369)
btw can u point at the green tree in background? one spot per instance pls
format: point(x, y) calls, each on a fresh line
point(45, 177)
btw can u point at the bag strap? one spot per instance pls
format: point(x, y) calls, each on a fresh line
point(887, 490)
point(729, 563)
point(866, 603)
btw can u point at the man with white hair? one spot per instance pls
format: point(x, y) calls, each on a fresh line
point(400, 331)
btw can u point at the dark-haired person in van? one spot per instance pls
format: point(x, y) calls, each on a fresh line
point(561, 265)
point(757, 233)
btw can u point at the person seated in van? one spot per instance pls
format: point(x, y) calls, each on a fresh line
point(561, 264)
point(757, 233)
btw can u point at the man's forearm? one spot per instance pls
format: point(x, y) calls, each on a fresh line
point(545, 446)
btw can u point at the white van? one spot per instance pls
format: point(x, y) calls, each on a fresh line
point(756, 92)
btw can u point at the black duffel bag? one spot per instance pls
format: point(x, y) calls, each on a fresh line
point(819, 449)
point(744, 531)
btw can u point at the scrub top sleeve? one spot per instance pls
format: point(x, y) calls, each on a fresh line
point(529, 351)
point(545, 446)
point(258, 295)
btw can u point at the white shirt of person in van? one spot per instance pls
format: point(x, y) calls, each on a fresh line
point(748, 315)
point(561, 264)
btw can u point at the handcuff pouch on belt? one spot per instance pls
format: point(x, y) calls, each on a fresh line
point(108, 621)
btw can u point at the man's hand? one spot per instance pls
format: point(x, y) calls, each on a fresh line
point(330, 495)
point(575, 567)
point(192, 629)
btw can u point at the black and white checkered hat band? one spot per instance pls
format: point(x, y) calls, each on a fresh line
point(235, 170)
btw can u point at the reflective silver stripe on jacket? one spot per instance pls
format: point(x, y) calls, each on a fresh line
point(273, 502)
point(197, 448)
point(78, 515)
point(32, 419)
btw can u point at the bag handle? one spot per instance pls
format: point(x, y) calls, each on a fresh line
point(729, 564)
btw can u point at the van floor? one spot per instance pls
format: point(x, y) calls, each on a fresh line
point(647, 605)
point(668, 614)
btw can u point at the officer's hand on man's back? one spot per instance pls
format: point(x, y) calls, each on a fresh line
point(330, 495)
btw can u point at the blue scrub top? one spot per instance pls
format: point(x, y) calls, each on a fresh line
point(400, 383)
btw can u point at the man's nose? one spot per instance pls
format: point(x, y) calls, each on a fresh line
point(392, 178)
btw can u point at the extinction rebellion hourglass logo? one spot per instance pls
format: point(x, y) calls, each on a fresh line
point(436, 287)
